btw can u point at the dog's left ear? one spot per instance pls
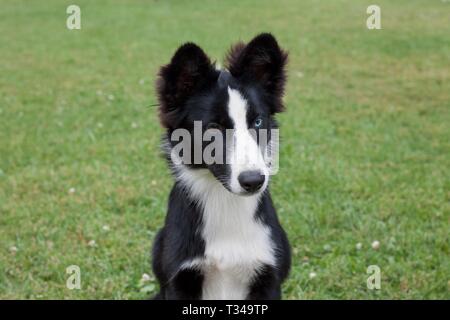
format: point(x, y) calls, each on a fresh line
point(261, 61)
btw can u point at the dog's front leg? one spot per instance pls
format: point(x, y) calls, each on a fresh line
point(186, 285)
point(265, 286)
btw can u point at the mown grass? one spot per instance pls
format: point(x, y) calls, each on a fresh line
point(364, 152)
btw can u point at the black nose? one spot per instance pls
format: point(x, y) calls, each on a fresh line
point(251, 181)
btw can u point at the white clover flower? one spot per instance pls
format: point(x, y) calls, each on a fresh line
point(312, 275)
point(145, 277)
point(92, 243)
point(72, 190)
point(376, 245)
point(359, 246)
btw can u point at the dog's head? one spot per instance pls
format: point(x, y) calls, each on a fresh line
point(232, 108)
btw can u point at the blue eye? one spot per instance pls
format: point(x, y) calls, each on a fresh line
point(258, 122)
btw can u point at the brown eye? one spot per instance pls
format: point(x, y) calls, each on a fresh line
point(214, 125)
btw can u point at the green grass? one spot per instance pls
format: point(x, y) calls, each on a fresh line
point(365, 150)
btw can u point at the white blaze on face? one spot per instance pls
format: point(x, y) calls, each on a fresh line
point(245, 154)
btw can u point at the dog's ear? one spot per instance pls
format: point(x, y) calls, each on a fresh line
point(261, 61)
point(189, 69)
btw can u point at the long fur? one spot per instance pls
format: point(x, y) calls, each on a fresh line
point(222, 238)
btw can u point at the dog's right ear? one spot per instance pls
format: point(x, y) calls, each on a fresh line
point(188, 71)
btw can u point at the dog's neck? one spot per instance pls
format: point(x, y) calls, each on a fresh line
point(203, 188)
point(236, 242)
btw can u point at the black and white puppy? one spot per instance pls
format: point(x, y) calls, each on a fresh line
point(222, 238)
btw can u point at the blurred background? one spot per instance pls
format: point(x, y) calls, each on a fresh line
point(364, 173)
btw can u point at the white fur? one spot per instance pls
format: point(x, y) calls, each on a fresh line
point(237, 245)
point(245, 154)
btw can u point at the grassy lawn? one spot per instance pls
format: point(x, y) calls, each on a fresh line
point(365, 142)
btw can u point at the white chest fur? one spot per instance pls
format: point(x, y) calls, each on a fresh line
point(236, 245)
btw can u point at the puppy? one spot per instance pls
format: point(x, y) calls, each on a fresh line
point(221, 238)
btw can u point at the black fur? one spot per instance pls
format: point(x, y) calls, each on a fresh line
point(190, 88)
